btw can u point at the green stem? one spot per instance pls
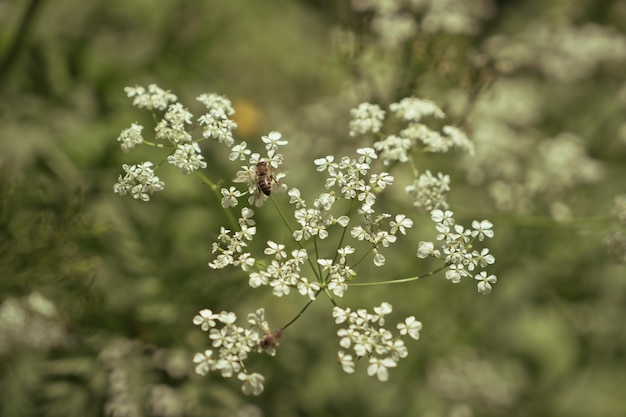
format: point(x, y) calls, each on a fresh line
point(363, 257)
point(343, 232)
point(218, 196)
point(398, 281)
point(416, 172)
point(282, 216)
point(301, 311)
point(317, 256)
point(157, 145)
point(330, 296)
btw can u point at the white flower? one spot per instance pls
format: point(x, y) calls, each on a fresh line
point(205, 319)
point(482, 229)
point(343, 221)
point(411, 327)
point(400, 224)
point(430, 192)
point(483, 258)
point(139, 181)
point(246, 217)
point(385, 238)
point(299, 256)
point(397, 349)
point(248, 232)
point(131, 137)
point(426, 249)
point(215, 122)
point(346, 361)
point(458, 138)
point(204, 362)
point(310, 289)
point(344, 252)
point(337, 285)
point(227, 317)
point(294, 193)
point(325, 201)
point(455, 272)
point(245, 261)
point(384, 309)
point(393, 148)
point(276, 249)
point(230, 197)
point(378, 367)
point(154, 98)
point(367, 155)
point(381, 180)
point(413, 109)
point(324, 163)
point(280, 287)
point(256, 279)
point(239, 151)
point(359, 233)
point(340, 314)
point(484, 282)
point(216, 104)
point(252, 383)
point(272, 141)
point(366, 118)
point(174, 122)
point(188, 157)
point(443, 217)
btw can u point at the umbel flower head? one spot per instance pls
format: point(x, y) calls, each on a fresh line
point(456, 249)
point(139, 181)
point(366, 336)
point(326, 234)
point(231, 345)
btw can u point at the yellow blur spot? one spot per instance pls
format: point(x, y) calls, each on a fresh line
point(248, 117)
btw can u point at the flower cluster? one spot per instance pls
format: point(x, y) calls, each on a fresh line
point(131, 137)
point(232, 344)
point(397, 147)
point(366, 118)
point(188, 157)
point(216, 123)
point(348, 210)
point(173, 128)
point(30, 322)
point(233, 253)
point(282, 274)
point(367, 337)
point(152, 98)
point(398, 21)
point(430, 192)
point(562, 52)
point(456, 249)
point(139, 181)
point(249, 175)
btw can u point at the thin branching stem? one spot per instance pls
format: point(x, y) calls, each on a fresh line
point(291, 230)
point(301, 311)
point(216, 192)
point(398, 281)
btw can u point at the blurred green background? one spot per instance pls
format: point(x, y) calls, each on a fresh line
point(97, 292)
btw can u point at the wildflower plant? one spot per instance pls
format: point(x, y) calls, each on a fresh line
point(331, 233)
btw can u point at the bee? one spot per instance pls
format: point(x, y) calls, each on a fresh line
point(269, 341)
point(264, 178)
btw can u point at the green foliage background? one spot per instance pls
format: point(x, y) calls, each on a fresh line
point(549, 341)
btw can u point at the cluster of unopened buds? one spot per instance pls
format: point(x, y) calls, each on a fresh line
point(347, 210)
